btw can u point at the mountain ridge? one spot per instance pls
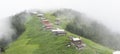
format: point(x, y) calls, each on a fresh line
point(36, 40)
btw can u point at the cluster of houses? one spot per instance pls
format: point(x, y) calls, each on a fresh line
point(77, 42)
point(49, 26)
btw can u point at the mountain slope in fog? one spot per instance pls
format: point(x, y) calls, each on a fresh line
point(11, 27)
point(37, 40)
point(82, 25)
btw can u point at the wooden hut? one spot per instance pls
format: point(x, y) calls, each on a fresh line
point(49, 26)
point(77, 42)
point(59, 31)
point(45, 22)
point(43, 18)
point(34, 12)
point(40, 15)
point(57, 21)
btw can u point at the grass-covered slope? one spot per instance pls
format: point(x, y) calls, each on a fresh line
point(37, 40)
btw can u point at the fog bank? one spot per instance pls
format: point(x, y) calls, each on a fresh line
point(105, 11)
point(6, 31)
point(12, 27)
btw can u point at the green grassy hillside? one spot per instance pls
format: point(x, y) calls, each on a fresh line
point(37, 40)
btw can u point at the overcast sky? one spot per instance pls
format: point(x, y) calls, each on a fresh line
point(105, 11)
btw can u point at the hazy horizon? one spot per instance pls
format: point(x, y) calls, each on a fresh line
point(104, 11)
